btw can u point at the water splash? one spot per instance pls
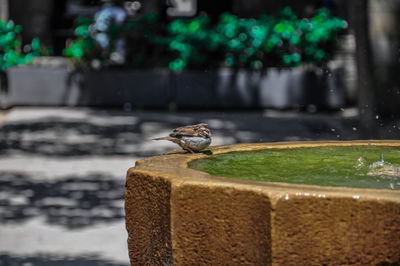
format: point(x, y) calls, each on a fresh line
point(360, 161)
point(378, 163)
point(385, 170)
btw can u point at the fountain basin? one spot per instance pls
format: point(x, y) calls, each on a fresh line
point(177, 215)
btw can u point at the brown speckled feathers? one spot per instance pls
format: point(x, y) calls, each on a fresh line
point(199, 130)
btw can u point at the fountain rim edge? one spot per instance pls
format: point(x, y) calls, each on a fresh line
point(173, 167)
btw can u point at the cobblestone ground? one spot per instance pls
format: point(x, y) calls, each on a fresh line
point(62, 172)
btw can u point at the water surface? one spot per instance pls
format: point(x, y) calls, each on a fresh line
point(352, 166)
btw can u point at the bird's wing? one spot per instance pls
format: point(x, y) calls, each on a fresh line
point(182, 131)
point(191, 130)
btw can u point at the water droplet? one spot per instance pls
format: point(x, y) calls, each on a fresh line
point(377, 116)
point(354, 129)
point(127, 107)
point(338, 136)
point(333, 130)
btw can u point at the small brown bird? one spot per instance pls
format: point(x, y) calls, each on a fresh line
point(193, 138)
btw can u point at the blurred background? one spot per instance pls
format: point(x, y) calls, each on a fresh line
point(86, 84)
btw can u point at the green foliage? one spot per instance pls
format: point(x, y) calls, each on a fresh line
point(10, 46)
point(85, 50)
point(82, 47)
point(283, 41)
point(190, 41)
point(268, 41)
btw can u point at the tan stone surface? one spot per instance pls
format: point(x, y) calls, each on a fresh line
point(186, 217)
point(214, 225)
point(147, 211)
point(335, 231)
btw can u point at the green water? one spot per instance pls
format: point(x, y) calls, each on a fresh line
point(353, 166)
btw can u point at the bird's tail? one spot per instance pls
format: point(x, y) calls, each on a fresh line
point(163, 138)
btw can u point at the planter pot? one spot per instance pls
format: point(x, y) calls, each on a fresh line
point(301, 87)
point(38, 85)
point(60, 86)
point(274, 88)
point(283, 88)
point(223, 88)
point(176, 215)
point(46, 84)
point(323, 88)
point(135, 88)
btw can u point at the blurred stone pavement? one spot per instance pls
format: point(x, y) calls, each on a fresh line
point(62, 171)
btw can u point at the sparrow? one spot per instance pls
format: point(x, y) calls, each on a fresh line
point(192, 138)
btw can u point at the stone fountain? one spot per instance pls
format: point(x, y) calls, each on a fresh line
point(179, 216)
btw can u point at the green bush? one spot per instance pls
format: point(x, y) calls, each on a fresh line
point(10, 46)
point(282, 41)
point(83, 47)
point(86, 52)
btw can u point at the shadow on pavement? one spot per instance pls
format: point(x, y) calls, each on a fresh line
point(72, 202)
point(53, 260)
point(69, 139)
point(121, 133)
